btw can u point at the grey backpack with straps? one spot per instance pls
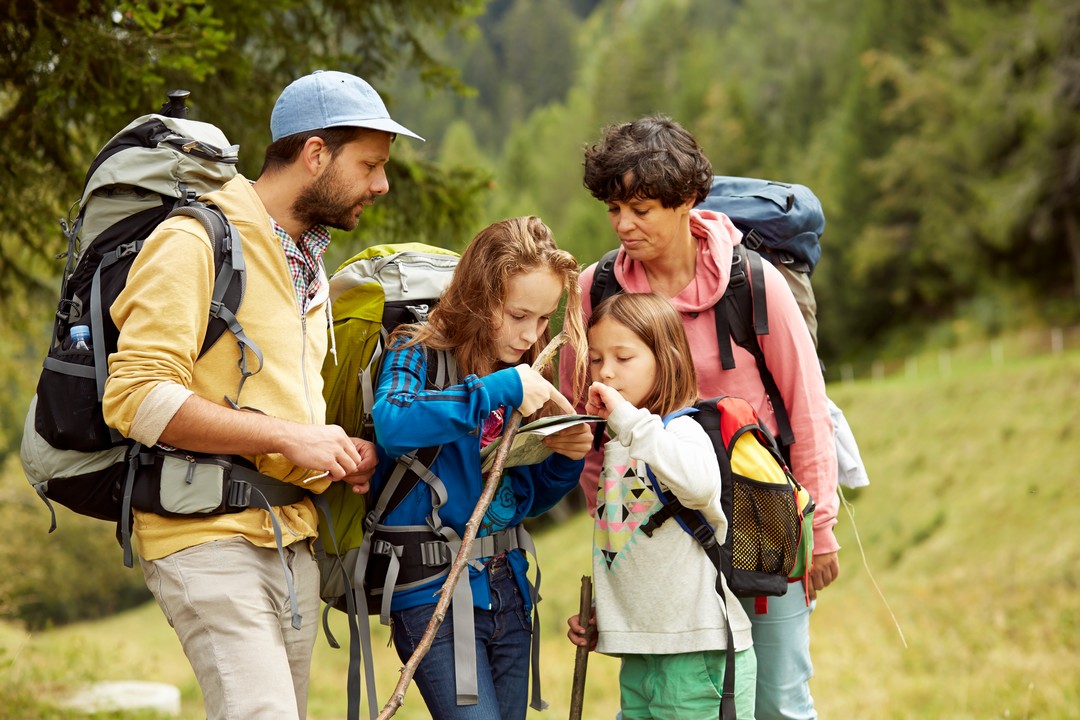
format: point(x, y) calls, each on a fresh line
point(157, 167)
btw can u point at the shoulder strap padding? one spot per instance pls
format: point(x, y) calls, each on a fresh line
point(604, 283)
point(230, 277)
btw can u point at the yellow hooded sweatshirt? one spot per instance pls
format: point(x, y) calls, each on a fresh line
point(162, 315)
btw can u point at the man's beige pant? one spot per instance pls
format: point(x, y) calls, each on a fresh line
point(229, 604)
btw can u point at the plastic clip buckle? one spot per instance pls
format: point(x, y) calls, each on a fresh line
point(239, 494)
point(432, 553)
point(705, 535)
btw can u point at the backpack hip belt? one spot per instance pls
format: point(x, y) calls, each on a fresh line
point(415, 555)
point(178, 483)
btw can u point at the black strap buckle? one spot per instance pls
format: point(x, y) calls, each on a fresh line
point(705, 535)
point(239, 494)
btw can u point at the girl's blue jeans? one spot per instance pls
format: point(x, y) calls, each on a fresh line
point(503, 636)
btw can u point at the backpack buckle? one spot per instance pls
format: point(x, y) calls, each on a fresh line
point(738, 273)
point(753, 239)
point(705, 535)
point(381, 547)
point(127, 249)
point(434, 553)
point(420, 312)
point(239, 494)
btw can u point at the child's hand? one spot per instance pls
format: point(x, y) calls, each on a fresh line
point(573, 442)
point(578, 635)
point(602, 400)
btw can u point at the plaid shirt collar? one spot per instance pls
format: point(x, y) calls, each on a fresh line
point(304, 257)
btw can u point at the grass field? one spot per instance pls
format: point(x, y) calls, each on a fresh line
point(968, 530)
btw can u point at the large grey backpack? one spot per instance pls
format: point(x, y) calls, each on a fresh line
point(155, 167)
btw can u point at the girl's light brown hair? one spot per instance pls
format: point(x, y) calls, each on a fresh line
point(471, 308)
point(657, 323)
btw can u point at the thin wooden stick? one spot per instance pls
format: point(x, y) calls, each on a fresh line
point(462, 558)
point(581, 659)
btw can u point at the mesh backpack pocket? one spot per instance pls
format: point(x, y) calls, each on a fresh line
point(770, 536)
point(68, 410)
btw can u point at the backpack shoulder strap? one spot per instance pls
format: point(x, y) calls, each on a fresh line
point(231, 273)
point(230, 282)
point(412, 468)
point(604, 283)
point(691, 521)
point(743, 315)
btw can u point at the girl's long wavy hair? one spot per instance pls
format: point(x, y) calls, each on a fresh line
point(657, 323)
point(471, 308)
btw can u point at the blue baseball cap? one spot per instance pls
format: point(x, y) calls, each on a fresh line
point(326, 99)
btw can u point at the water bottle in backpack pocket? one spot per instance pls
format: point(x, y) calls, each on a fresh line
point(68, 411)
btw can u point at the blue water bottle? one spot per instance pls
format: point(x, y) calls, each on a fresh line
point(80, 337)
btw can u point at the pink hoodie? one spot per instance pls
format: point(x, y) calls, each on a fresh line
point(789, 353)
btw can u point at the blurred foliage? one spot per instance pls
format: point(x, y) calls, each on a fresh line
point(76, 71)
point(942, 136)
point(74, 573)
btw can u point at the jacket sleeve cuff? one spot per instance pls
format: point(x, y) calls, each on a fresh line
point(825, 541)
point(622, 417)
point(157, 411)
point(504, 388)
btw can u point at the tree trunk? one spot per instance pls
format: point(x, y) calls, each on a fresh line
point(1072, 240)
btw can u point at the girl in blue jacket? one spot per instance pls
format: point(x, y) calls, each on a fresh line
point(492, 323)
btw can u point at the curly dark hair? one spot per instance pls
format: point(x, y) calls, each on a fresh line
point(653, 157)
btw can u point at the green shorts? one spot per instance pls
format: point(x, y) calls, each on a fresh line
point(686, 686)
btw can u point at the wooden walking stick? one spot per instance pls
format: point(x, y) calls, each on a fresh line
point(462, 558)
point(581, 659)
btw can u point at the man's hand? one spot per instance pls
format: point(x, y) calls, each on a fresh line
point(825, 570)
point(327, 448)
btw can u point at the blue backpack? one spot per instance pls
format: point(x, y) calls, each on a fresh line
point(781, 221)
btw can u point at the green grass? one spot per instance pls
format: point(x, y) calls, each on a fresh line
point(968, 529)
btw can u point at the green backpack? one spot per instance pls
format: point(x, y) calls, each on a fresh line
point(371, 294)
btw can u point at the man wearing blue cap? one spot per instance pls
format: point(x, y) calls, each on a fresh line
point(242, 589)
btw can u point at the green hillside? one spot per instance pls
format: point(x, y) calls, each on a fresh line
point(967, 530)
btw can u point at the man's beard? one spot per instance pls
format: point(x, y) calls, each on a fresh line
point(322, 203)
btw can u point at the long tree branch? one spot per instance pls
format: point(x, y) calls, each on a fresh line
point(462, 558)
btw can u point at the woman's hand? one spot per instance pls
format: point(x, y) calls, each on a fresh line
point(602, 400)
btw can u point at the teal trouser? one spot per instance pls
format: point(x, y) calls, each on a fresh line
point(782, 646)
point(686, 686)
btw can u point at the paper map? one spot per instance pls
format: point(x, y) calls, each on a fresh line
point(528, 447)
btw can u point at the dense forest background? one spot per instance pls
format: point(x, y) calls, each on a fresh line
point(942, 136)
